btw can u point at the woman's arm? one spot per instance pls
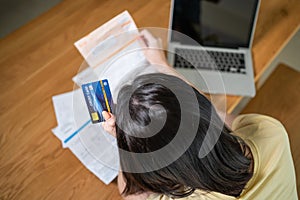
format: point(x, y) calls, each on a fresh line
point(109, 125)
point(156, 56)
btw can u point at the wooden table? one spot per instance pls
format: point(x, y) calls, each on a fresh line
point(38, 61)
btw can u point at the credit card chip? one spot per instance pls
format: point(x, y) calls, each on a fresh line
point(95, 116)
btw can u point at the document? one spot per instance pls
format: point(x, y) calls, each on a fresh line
point(83, 138)
point(122, 23)
point(114, 52)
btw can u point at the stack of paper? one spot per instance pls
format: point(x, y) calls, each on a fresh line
point(83, 138)
point(113, 52)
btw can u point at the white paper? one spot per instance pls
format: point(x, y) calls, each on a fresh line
point(113, 51)
point(91, 144)
point(71, 113)
point(116, 57)
point(119, 24)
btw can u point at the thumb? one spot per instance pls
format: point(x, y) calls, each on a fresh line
point(106, 115)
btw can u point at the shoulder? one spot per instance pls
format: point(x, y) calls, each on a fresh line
point(265, 132)
point(256, 125)
point(254, 119)
point(273, 163)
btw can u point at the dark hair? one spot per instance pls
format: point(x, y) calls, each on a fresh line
point(224, 169)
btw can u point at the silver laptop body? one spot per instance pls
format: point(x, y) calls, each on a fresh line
point(216, 56)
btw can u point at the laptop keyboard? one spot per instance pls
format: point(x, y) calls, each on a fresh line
point(210, 60)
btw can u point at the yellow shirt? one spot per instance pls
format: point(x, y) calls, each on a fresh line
point(274, 174)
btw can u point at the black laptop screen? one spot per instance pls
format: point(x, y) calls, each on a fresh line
point(215, 23)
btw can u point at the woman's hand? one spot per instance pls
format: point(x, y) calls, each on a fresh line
point(109, 125)
point(155, 52)
point(155, 55)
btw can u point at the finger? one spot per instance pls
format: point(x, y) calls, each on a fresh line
point(148, 36)
point(111, 122)
point(106, 115)
point(106, 127)
point(145, 40)
point(110, 119)
point(110, 129)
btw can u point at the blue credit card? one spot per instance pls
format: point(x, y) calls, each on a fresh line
point(98, 98)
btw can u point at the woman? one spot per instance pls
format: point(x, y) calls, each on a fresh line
point(252, 160)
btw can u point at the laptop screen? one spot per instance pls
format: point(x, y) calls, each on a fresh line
point(215, 23)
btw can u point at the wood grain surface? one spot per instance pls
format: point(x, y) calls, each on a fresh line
point(38, 61)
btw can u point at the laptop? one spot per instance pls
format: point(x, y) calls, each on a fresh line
point(210, 44)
